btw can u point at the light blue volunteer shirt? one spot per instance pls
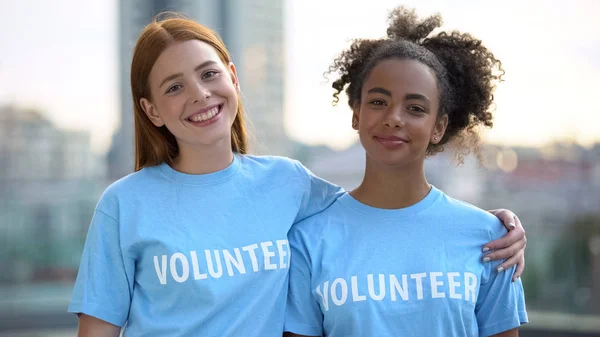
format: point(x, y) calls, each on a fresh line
point(172, 254)
point(417, 271)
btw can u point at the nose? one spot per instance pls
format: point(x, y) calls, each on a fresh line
point(394, 118)
point(200, 93)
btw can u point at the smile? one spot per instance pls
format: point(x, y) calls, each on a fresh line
point(206, 115)
point(390, 142)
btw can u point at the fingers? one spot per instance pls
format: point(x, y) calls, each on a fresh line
point(518, 222)
point(518, 260)
point(505, 253)
point(508, 218)
point(511, 246)
point(520, 267)
point(511, 238)
point(509, 263)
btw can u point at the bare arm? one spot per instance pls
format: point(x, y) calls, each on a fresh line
point(291, 334)
point(509, 333)
point(90, 326)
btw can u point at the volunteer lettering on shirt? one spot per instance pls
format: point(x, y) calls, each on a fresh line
point(216, 263)
point(461, 286)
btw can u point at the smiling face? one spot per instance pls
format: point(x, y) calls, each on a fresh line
point(397, 117)
point(193, 94)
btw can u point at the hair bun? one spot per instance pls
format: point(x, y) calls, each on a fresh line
point(404, 24)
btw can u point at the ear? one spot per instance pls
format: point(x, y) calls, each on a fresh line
point(150, 111)
point(234, 77)
point(439, 129)
point(355, 116)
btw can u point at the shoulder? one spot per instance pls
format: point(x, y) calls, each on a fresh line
point(128, 188)
point(320, 225)
point(470, 216)
point(274, 167)
point(270, 162)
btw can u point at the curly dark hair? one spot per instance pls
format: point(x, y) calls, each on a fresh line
point(466, 72)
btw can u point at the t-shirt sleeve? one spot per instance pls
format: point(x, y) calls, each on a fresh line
point(303, 314)
point(105, 278)
point(318, 193)
point(501, 302)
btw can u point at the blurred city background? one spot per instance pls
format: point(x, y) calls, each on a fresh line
point(66, 130)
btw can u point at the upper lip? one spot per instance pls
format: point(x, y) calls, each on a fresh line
point(203, 110)
point(392, 138)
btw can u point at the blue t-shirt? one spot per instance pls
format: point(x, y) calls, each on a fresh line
point(417, 271)
point(173, 254)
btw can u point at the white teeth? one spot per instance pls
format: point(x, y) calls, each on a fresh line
point(205, 116)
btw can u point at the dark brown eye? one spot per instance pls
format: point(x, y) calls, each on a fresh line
point(377, 102)
point(416, 108)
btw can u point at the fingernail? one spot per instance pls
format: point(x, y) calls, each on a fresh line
point(500, 269)
point(485, 249)
point(486, 259)
point(512, 224)
point(515, 279)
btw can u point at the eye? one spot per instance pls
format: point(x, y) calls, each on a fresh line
point(174, 88)
point(416, 108)
point(209, 74)
point(377, 102)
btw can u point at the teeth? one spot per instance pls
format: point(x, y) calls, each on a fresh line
point(205, 116)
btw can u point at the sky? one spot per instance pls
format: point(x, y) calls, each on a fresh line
point(61, 58)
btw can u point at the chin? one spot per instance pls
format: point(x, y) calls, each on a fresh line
point(393, 160)
point(198, 141)
point(394, 163)
point(216, 140)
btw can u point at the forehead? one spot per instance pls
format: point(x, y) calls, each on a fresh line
point(183, 56)
point(402, 76)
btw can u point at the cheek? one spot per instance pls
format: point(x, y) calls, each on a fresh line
point(369, 118)
point(171, 108)
point(224, 84)
point(230, 94)
point(423, 125)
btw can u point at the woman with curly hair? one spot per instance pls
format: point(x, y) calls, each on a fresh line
point(396, 256)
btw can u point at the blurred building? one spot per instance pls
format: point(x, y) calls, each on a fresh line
point(560, 179)
point(253, 33)
point(50, 181)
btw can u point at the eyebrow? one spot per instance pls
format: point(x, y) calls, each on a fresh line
point(388, 93)
point(380, 91)
point(418, 96)
point(174, 76)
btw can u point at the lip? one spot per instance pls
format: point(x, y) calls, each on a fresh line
point(203, 110)
point(392, 138)
point(391, 142)
point(213, 120)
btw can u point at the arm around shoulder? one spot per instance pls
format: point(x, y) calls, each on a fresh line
point(318, 193)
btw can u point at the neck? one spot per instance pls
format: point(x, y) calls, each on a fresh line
point(392, 187)
point(203, 159)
